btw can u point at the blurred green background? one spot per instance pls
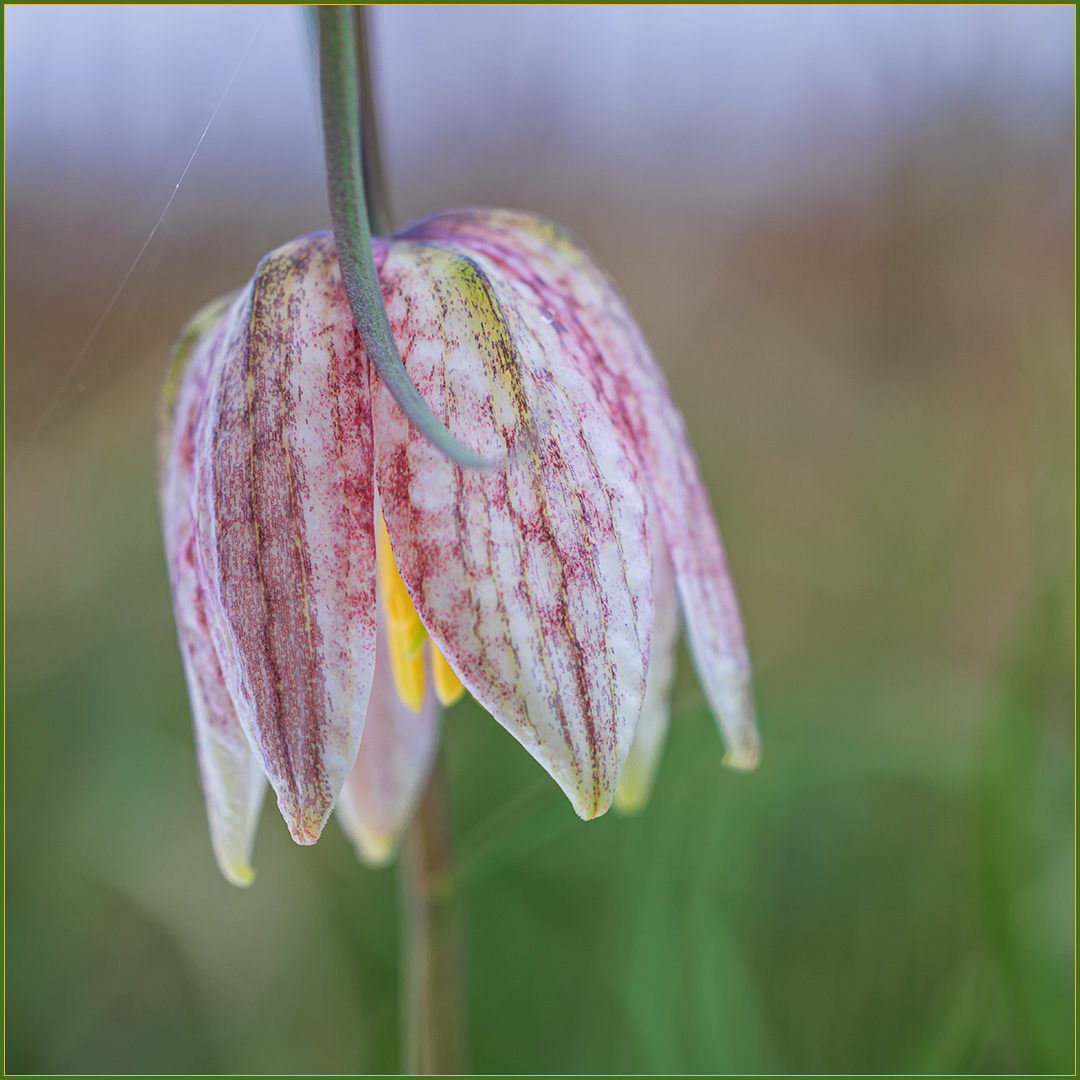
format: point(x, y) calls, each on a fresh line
point(874, 352)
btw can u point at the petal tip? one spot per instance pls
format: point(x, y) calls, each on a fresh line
point(376, 850)
point(589, 804)
point(305, 826)
point(745, 754)
point(634, 787)
point(241, 875)
point(732, 702)
point(629, 799)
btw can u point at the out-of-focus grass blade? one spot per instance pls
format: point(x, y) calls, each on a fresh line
point(512, 832)
point(1026, 835)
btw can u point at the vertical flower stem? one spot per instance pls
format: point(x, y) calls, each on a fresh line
point(376, 190)
point(432, 1040)
point(359, 205)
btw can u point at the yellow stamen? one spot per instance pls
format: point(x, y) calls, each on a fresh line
point(448, 688)
point(406, 635)
point(395, 597)
point(404, 631)
point(408, 668)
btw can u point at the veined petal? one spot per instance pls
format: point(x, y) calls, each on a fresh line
point(639, 770)
point(232, 778)
point(534, 579)
point(598, 332)
point(286, 546)
point(392, 767)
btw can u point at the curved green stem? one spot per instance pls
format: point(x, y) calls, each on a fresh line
point(340, 80)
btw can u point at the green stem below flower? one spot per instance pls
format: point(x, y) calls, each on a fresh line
point(432, 1040)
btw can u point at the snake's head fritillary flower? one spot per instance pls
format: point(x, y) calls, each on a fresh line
point(336, 578)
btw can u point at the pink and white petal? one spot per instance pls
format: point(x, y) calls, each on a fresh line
point(232, 778)
point(286, 542)
point(392, 767)
point(598, 331)
point(639, 770)
point(534, 578)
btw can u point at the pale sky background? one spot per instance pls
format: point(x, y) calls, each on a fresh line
point(720, 97)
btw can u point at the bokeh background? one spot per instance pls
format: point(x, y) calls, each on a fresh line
point(849, 236)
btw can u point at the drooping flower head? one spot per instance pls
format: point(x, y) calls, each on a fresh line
point(335, 575)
